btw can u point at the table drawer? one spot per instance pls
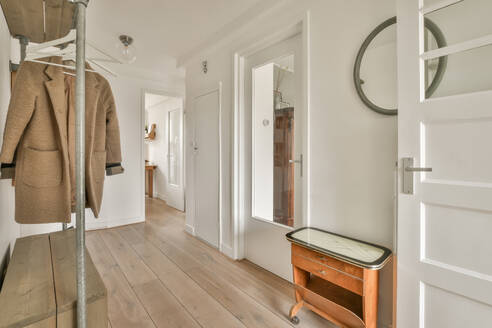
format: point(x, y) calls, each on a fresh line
point(329, 261)
point(328, 269)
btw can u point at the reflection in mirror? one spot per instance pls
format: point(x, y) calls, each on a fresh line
point(467, 72)
point(462, 21)
point(378, 69)
point(470, 70)
point(273, 141)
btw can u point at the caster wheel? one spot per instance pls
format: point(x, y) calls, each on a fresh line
point(295, 320)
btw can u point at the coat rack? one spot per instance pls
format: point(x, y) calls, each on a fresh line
point(43, 21)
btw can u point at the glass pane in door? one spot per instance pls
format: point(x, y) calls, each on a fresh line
point(274, 158)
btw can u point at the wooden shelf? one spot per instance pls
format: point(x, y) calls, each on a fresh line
point(27, 18)
point(333, 302)
point(336, 294)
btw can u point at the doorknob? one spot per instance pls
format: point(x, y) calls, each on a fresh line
point(298, 161)
point(408, 171)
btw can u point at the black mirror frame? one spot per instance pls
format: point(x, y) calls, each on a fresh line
point(441, 67)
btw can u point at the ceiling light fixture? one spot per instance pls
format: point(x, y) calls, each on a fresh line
point(127, 50)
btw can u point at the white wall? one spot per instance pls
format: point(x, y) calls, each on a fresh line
point(352, 149)
point(124, 197)
point(9, 230)
point(158, 148)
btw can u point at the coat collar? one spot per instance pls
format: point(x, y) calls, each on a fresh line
point(55, 87)
point(56, 83)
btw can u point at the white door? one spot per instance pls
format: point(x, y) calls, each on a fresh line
point(274, 137)
point(207, 167)
point(175, 190)
point(444, 245)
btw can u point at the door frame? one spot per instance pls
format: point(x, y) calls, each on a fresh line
point(191, 228)
point(141, 126)
point(241, 177)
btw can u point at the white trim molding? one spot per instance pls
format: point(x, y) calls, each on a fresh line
point(227, 250)
point(190, 229)
point(102, 223)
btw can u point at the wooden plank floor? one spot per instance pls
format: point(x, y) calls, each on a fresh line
point(159, 276)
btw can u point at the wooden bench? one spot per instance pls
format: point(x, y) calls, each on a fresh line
point(40, 288)
point(336, 277)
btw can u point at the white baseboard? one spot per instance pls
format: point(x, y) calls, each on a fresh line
point(189, 229)
point(161, 196)
point(227, 250)
point(107, 223)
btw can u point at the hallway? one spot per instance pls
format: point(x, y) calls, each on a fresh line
point(159, 276)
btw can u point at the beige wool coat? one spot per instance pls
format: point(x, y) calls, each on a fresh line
point(36, 137)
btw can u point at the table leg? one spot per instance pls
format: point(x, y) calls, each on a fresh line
point(294, 309)
point(370, 298)
point(301, 278)
point(151, 183)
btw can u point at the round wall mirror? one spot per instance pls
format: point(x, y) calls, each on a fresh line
point(375, 70)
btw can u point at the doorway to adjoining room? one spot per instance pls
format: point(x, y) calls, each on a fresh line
point(163, 149)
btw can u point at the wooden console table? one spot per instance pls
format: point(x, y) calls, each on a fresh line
point(336, 277)
point(149, 172)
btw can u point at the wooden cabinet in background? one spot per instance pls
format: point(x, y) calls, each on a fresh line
point(13, 75)
point(149, 179)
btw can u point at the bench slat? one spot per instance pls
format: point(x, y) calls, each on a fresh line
point(27, 18)
point(28, 296)
point(64, 266)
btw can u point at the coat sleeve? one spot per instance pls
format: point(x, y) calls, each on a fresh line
point(113, 146)
point(21, 108)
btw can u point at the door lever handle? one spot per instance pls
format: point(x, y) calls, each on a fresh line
point(298, 161)
point(418, 169)
point(408, 173)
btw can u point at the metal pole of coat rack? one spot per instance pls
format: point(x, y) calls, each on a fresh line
point(81, 6)
point(80, 161)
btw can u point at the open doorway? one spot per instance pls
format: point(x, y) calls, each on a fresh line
point(163, 149)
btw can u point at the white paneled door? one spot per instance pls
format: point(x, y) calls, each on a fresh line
point(207, 167)
point(444, 246)
point(274, 121)
point(175, 189)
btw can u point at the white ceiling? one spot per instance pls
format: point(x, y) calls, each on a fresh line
point(153, 99)
point(163, 30)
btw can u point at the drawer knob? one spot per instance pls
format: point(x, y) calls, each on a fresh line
point(323, 272)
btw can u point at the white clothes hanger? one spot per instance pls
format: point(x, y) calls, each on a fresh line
point(46, 49)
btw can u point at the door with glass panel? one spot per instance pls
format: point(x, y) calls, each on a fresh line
point(175, 188)
point(444, 249)
point(273, 92)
